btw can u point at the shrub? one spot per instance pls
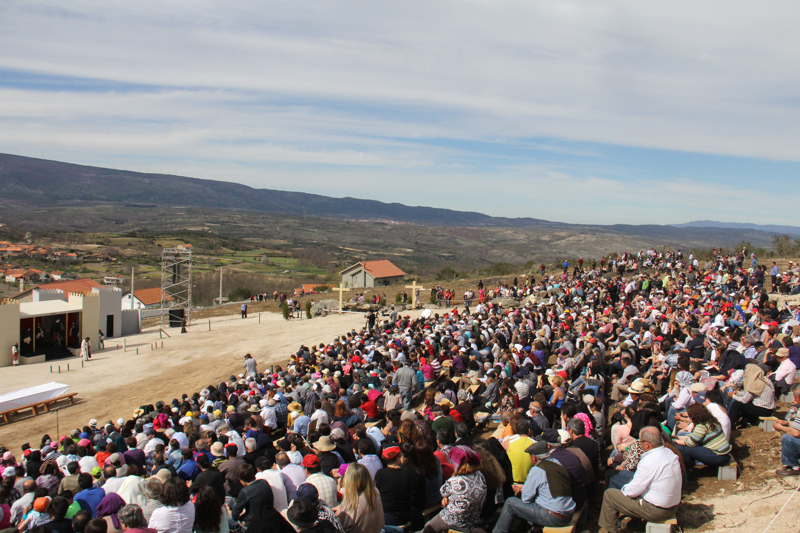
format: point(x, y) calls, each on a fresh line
point(239, 293)
point(308, 309)
point(285, 311)
point(398, 298)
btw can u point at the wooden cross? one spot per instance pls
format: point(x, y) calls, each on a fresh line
point(340, 289)
point(414, 287)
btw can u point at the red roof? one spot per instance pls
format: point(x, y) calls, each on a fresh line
point(151, 296)
point(382, 269)
point(75, 285)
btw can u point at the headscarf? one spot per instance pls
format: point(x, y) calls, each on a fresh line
point(754, 380)
point(347, 436)
point(131, 491)
point(463, 454)
point(587, 424)
point(684, 379)
point(109, 506)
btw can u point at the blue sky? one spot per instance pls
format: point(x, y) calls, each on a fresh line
point(613, 112)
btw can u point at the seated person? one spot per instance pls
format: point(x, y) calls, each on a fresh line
point(655, 490)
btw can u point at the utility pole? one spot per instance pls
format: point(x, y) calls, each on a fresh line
point(220, 285)
point(132, 282)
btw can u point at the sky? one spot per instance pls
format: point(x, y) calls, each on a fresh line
point(587, 112)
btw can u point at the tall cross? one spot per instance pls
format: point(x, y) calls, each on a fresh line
point(414, 287)
point(340, 289)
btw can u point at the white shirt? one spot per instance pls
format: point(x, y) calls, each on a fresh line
point(293, 476)
point(722, 417)
point(657, 479)
point(113, 484)
point(87, 464)
point(786, 370)
point(269, 416)
point(234, 437)
point(320, 416)
point(275, 480)
point(150, 447)
point(173, 519)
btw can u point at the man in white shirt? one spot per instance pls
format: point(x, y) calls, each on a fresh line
point(275, 480)
point(654, 492)
point(268, 413)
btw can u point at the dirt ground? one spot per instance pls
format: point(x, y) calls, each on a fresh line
point(116, 382)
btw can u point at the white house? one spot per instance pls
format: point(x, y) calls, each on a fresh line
point(371, 274)
point(145, 299)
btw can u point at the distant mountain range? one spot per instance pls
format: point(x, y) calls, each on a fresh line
point(26, 181)
point(790, 230)
point(50, 183)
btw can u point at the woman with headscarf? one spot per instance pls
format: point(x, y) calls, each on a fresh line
point(132, 491)
point(756, 399)
point(107, 510)
point(463, 494)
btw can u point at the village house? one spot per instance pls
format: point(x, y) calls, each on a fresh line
point(145, 299)
point(371, 274)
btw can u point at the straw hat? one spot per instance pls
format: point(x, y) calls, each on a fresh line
point(324, 444)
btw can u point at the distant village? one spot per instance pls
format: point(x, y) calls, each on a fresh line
point(12, 255)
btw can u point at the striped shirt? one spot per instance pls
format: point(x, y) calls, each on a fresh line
point(713, 439)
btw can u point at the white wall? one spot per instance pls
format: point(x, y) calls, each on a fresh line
point(110, 304)
point(126, 302)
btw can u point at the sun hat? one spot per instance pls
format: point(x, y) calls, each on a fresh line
point(217, 449)
point(637, 387)
point(324, 444)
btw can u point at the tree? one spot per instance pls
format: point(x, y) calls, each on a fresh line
point(308, 309)
point(239, 293)
point(285, 310)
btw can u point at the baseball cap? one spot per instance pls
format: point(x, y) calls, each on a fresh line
point(311, 461)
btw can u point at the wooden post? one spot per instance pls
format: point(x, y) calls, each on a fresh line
point(209, 324)
point(162, 344)
point(340, 289)
point(259, 318)
point(414, 287)
point(124, 344)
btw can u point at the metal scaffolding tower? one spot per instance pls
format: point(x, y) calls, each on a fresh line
point(176, 283)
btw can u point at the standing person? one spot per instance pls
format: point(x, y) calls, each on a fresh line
point(86, 349)
point(774, 275)
point(250, 365)
point(15, 354)
point(102, 337)
point(244, 309)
